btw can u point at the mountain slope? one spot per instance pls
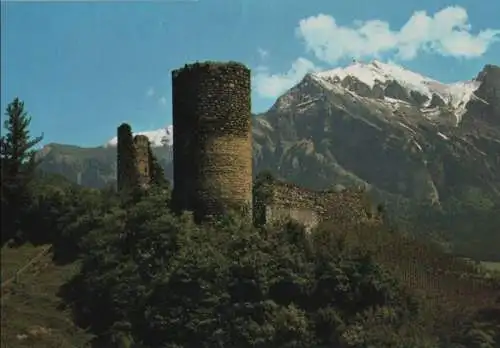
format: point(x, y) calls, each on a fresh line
point(383, 133)
point(91, 167)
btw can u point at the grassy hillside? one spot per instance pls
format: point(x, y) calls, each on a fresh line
point(31, 314)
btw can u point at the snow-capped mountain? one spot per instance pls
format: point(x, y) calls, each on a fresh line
point(159, 137)
point(387, 83)
point(382, 125)
point(378, 75)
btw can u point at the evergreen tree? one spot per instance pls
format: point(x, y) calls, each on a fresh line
point(17, 159)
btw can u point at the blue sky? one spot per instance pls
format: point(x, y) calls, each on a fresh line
point(82, 68)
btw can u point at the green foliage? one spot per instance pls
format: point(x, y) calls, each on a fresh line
point(83, 211)
point(262, 191)
point(156, 279)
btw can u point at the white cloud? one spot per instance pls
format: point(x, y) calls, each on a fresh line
point(150, 92)
point(446, 32)
point(270, 85)
point(263, 54)
point(162, 101)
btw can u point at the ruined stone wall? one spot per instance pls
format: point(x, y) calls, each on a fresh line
point(141, 144)
point(306, 216)
point(132, 167)
point(308, 207)
point(212, 139)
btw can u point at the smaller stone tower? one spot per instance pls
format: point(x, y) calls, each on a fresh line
point(132, 167)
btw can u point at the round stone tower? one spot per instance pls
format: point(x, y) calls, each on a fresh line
point(212, 138)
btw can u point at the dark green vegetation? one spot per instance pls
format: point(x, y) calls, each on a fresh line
point(132, 274)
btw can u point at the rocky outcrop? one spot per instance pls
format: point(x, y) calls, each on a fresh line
point(396, 91)
point(486, 105)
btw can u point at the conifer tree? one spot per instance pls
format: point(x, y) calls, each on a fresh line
point(18, 164)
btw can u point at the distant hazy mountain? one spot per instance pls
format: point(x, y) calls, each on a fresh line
point(92, 167)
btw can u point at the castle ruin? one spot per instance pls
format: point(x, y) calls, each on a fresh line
point(133, 160)
point(212, 138)
point(277, 200)
point(212, 157)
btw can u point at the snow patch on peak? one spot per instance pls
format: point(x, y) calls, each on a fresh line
point(455, 95)
point(375, 71)
point(157, 138)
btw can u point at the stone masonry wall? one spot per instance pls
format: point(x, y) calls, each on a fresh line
point(141, 143)
point(212, 139)
point(132, 167)
point(308, 217)
point(311, 207)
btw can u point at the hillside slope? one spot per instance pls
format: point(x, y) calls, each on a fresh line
point(31, 309)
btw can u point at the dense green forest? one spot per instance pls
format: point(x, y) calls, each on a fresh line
point(149, 278)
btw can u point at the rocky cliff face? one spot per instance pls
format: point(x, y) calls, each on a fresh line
point(486, 107)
